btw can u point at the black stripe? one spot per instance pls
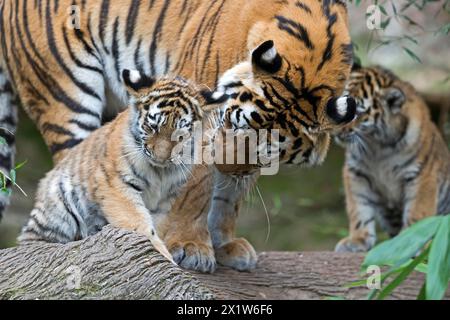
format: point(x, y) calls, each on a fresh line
point(56, 129)
point(132, 185)
point(212, 36)
point(295, 29)
point(137, 57)
point(303, 6)
point(57, 147)
point(43, 76)
point(83, 125)
point(156, 35)
point(221, 199)
point(10, 138)
point(6, 161)
point(45, 229)
point(361, 175)
point(115, 50)
point(347, 53)
point(91, 51)
point(4, 45)
point(131, 20)
point(332, 18)
point(63, 193)
point(54, 50)
point(74, 58)
point(104, 15)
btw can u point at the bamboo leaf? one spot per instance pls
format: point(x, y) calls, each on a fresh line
point(402, 276)
point(412, 55)
point(385, 23)
point(439, 262)
point(20, 165)
point(399, 250)
point(383, 10)
point(423, 293)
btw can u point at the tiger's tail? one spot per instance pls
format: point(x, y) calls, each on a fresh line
point(8, 126)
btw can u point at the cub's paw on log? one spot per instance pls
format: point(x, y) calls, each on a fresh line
point(238, 254)
point(352, 246)
point(196, 256)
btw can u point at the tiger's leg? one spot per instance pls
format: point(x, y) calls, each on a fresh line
point(362, 207)
point(228, 195)
point(8, 125)
point(421, 199)
point(185, 228)
point(124, 208)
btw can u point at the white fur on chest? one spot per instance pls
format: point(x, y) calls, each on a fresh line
point(161, 194)
point(388, 173)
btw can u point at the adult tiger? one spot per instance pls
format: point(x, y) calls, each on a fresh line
point(301, 55)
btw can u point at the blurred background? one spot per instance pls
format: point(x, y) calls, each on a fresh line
point(305, 207)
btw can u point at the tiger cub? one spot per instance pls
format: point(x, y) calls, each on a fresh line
point(397, 167)
point(125, 172)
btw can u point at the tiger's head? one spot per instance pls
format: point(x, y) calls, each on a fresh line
point(298, 64)
point(165, 112)
point(380, 97)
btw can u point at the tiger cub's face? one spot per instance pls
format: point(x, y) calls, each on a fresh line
point(380, 97)
point(165, 112)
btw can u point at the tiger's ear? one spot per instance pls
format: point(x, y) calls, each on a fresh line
point(267, 58)
point(136, 81)
point(394, 98)
point(213, 97)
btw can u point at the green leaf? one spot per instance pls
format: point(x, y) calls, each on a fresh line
point(411, 21)
point(400, 249)
point(20, 165)
point(422, 268)
point(402, 276)
point(6, 191)
point(394, 8)
point(385, 23)
point(423, 293)
point(383, 10)
point(439, 262)
point(411, 39)
point(12, 175)
point(412, 55)
point(356, 284)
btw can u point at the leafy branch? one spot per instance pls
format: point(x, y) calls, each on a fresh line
point(402, 12)
point(424, 247)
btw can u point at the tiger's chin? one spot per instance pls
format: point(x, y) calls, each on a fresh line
point(319, 152)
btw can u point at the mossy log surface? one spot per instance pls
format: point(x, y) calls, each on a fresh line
point(115, 264)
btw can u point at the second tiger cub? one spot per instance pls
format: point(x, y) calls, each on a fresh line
point(124, 170)
point(397, 168)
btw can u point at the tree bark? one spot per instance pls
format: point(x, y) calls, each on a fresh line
point(115, 264)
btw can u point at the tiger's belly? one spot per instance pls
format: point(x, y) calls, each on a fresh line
point(389, 186)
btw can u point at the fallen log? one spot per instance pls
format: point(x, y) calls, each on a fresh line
point(115, 264)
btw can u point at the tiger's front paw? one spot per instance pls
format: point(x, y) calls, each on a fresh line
point(237, 254)
point(350, 245)
point(194, 256)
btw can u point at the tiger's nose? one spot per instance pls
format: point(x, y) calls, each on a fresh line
point(342, 110)
point(162, 150)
